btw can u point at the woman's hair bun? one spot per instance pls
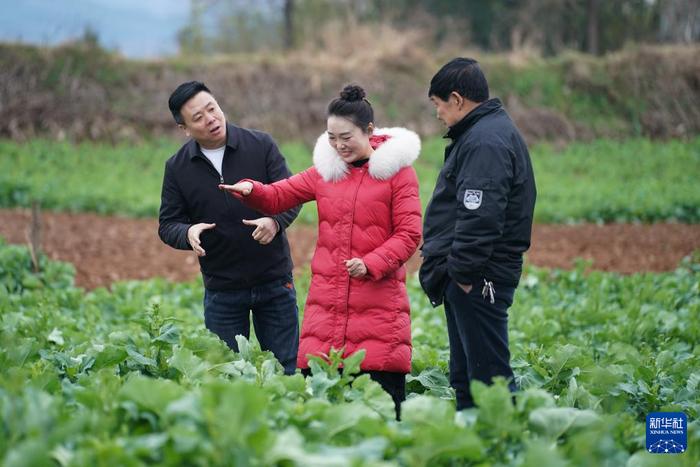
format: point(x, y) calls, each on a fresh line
point(352, 93)
point(352, 105)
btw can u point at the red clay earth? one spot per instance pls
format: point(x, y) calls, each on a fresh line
point(108, 249)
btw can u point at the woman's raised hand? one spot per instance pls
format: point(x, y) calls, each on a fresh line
point(241, 188)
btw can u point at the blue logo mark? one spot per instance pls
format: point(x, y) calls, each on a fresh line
point(667, 432)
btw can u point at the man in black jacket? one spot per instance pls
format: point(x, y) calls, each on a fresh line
point(477, 225)
point(244, 258)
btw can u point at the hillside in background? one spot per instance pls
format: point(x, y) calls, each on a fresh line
point(81, 91)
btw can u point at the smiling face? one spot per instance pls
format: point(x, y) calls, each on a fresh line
point(351, 143)
point(204, 121)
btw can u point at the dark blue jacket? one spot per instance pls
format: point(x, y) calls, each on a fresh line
point(479, 220)
point(190, 195)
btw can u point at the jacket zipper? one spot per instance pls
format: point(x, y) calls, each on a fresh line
point(352, 224)
point(219, 175)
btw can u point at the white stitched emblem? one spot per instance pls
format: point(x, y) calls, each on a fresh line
point(472, 199)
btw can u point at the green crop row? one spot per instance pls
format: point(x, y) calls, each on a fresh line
point(602, 181)
point(130, 376)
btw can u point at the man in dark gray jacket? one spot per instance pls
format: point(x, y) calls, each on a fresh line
point(477, 225)
point(244, 258)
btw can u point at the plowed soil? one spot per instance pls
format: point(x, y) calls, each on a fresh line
point(108, 249)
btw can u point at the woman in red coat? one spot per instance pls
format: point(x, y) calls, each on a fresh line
point(369, 225)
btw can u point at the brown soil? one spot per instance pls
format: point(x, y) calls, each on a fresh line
point(108, 249)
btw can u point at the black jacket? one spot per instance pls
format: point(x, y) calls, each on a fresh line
point(234, 260)
point(479, 221)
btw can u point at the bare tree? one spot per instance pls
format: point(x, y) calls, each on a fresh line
point(288, 24)
point(680, 21)
point(592, 12)
point(33, 235)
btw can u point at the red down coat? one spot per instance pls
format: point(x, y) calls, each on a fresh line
point(371, 212)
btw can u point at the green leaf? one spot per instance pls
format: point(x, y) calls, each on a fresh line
point(188, 406)
point(244, 348)
point(29, 453)
point(373, 395)
point(56, 337)
point(427, 410)
point(136, 357)
point(150, 393)
point(495, 405)
point(109, 355)
point(554, 422)
point(169, 333)
point(147, 446)
point(538, 454)
point(351, 364)
point(187, 438)
point(189, 365)
point(238, 404)
point(62, 455)
point(532, 399)
point(436, 439)
point(289, 447)
point(319, 382)
point(268, 369)
point(238, 368)
point(645, 459)
point(341, 417)
point(435, 381)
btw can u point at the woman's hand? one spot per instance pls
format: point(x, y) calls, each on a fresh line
point(356, 267)
point(241, 188)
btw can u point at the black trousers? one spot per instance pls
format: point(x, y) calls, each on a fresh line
point(478, 334)
point(275, 317)
point(393, 383)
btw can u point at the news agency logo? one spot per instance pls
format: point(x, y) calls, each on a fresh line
point(667, 432)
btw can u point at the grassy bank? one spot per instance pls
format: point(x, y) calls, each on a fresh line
point(636, 180)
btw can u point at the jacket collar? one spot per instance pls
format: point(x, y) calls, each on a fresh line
point(232, 139)
point(472, 117)
point(397, 148)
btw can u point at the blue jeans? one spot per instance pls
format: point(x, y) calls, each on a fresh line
point(275, 317)
point(478, 334)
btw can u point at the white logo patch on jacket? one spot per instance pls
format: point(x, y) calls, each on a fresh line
point(472, 199)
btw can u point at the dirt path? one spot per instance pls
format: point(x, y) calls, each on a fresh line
point(107, 249)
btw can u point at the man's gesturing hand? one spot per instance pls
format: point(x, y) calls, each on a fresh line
point(265, 228)
point(193, 234)
point(241, 188)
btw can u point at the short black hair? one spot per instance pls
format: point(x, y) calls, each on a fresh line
point(182, 94)
point(353, 105)
point(463, 76)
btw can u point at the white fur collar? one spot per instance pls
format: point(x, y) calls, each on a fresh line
point(397, 152)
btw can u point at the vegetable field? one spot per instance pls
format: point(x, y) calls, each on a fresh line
point(130, 376)
point(104, 356)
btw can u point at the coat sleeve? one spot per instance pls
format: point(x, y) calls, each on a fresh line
point(277, 170)
point(483, 183)
point(282, 195)
point(173, 219)
point(406, 222)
